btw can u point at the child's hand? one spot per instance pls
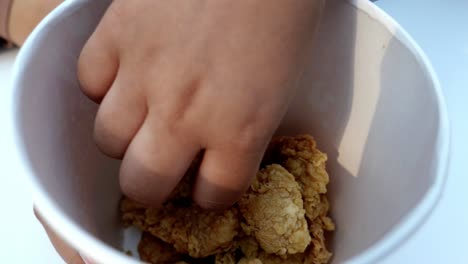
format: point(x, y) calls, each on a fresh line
point(178, 77)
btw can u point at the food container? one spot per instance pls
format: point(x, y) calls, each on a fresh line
point(369, 96)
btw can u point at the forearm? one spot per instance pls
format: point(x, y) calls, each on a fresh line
point(23, 17)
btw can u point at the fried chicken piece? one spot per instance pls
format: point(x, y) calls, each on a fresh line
point(190, 230)
point(274, 213)
point(318, 253)
point(300, 156)
point(274, 259)
point(250, 261)
point(264, 258)
point(299, 258)
point(253, 254)
point(284, 214)
point(133, 213)
point(195, 231)
point(155, 251)
point(226, 258)
point(249, 247)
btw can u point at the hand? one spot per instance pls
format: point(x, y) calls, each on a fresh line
point(177, 77)
point(68, 254)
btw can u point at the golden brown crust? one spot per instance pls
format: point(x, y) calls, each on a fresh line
point(226, 258)
point(191, 230)
point(155, 251)
point(283, 216)
point(274, 213)
point(318, 253)
point(300, 156)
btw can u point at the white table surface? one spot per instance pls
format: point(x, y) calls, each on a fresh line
point(441, 29)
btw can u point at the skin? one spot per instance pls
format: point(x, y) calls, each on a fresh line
point(25, 15)
point(174, 78)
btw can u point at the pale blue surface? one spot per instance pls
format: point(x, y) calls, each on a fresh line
point(440, 27)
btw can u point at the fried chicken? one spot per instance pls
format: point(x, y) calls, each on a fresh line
point(318, 253)
point(300, 156)
point(153, 250)
point(191, 230)
point(254, 254)
point(274, 213)
point(188, 228)
point(282, 218)
point(226, 258)
point(265, 258)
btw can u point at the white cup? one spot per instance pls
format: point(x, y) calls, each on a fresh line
point(370, 98)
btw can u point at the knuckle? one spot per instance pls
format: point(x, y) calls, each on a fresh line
point(107, 139)
point(86, 78)
point(132, 188)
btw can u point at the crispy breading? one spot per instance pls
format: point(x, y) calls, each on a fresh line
point(250, 261)
point(155, 251)
point(274, 213)
point(191, 230)
point(300, 156)
point(254, 254)
point(318, 253)
point(281, 219)
point(226, 258)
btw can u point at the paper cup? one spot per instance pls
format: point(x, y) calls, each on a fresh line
point(370, 98)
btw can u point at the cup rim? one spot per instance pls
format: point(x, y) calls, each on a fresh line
point(92, 247)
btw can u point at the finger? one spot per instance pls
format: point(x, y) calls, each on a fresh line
point(155, 162)
point(119, 117)
point(68, 254)
point(225, 174)
point(98, 64)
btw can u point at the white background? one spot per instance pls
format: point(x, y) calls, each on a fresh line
point(441, 29)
